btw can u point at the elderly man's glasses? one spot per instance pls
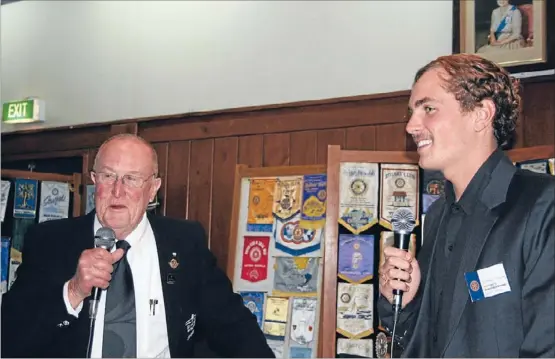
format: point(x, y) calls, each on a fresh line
point(131, 181)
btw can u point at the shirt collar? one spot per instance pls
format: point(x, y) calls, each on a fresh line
point(477, 187)
point(134, 237)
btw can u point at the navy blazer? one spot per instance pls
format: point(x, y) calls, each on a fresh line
point(35, 322)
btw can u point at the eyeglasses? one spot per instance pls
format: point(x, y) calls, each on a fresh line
point(131, 181)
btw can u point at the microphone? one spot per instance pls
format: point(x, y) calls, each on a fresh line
point(104, 238)
point(403, 223)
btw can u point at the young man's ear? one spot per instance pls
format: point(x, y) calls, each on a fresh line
point(484, 115)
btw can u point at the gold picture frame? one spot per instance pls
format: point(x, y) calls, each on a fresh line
point(516, 34)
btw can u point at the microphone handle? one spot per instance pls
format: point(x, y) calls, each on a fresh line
point(95, 297)
point(93, 310)
point(401, 240)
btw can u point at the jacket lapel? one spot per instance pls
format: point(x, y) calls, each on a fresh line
point(171, 283)
point(487, 211)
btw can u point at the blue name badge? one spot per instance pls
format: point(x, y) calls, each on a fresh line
point(487, 282)
point(474, 286)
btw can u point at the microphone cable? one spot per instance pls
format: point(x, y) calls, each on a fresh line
point(396, 313)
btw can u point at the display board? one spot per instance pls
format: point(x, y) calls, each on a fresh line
point(29, 198)
point(276, 249)
point(364, 188)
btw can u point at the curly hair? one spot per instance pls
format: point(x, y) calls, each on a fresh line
point(471, 79)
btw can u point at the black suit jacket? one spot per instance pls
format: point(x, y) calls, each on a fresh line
point(35, 322)
point(517, 229)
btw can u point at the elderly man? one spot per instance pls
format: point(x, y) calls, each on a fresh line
point(483, 284)
point(163, 290)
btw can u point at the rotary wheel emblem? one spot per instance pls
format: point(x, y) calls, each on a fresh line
point(345, 298)
point(256, 254)
point(358, 187)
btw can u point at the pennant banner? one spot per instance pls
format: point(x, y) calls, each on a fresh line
point(287, 197)
point(303, 320)
point(356, 257)
point(296, 276)
point(355, 347)
point(254, 301)
point(538, 166)
point(4, 199)
point(54, 201)
point(90, 198)
point(313, 213)
point(25, 202)
point(358, 196)
point(292, 240)
point(4, 263)
point(261, 198)
point(399, 188)
point(255, 258)
point(433, 188)
point(354, 310)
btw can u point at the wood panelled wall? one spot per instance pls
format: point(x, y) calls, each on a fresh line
point(198, 152)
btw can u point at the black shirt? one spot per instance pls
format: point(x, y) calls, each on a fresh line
point(453, 237)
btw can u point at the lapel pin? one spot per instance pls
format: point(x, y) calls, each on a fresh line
point(173, 262)
point(170, 279)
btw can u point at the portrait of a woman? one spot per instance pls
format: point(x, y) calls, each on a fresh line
point(505, 29)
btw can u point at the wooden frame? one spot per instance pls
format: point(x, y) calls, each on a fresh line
point(537, 52)
point(335, 157)
point(531, 153)
point(73, 180)
point(243, 171)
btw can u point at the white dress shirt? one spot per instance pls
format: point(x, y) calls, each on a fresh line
point(152, 332)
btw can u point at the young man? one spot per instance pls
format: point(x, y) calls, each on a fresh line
point(164, 290)
point(494, 218)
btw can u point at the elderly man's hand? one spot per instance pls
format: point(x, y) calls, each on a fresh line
point(94, 269)
point(400, 270)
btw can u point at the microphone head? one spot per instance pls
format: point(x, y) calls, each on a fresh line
point(402, 220)
point(105, 238)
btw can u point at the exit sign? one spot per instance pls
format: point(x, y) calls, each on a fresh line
point(24, 111)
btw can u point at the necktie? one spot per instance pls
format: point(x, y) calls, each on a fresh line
point(120, 332)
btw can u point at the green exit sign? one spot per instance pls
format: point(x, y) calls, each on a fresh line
point(24, 111)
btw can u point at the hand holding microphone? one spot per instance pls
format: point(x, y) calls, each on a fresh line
point(400, 274)
point(94, 268)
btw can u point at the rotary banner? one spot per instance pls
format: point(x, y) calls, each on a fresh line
point(287, 197)
point(313, 211)
point(358, 186)
point(255, 258)
point(261, 197)
point(356, 257)
point(292, 240)
point(399, 188)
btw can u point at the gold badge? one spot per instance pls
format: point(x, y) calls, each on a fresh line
point(173, 262)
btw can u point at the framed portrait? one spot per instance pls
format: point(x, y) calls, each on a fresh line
point(516, 34)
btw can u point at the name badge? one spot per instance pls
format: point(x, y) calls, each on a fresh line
point(487, 282)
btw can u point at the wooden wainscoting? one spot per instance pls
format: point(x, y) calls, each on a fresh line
point(198, 152)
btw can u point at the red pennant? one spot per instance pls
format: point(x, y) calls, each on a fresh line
point(255, 258)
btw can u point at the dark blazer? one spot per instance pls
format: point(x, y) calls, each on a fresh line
point(518, 230)
point(35, 322)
